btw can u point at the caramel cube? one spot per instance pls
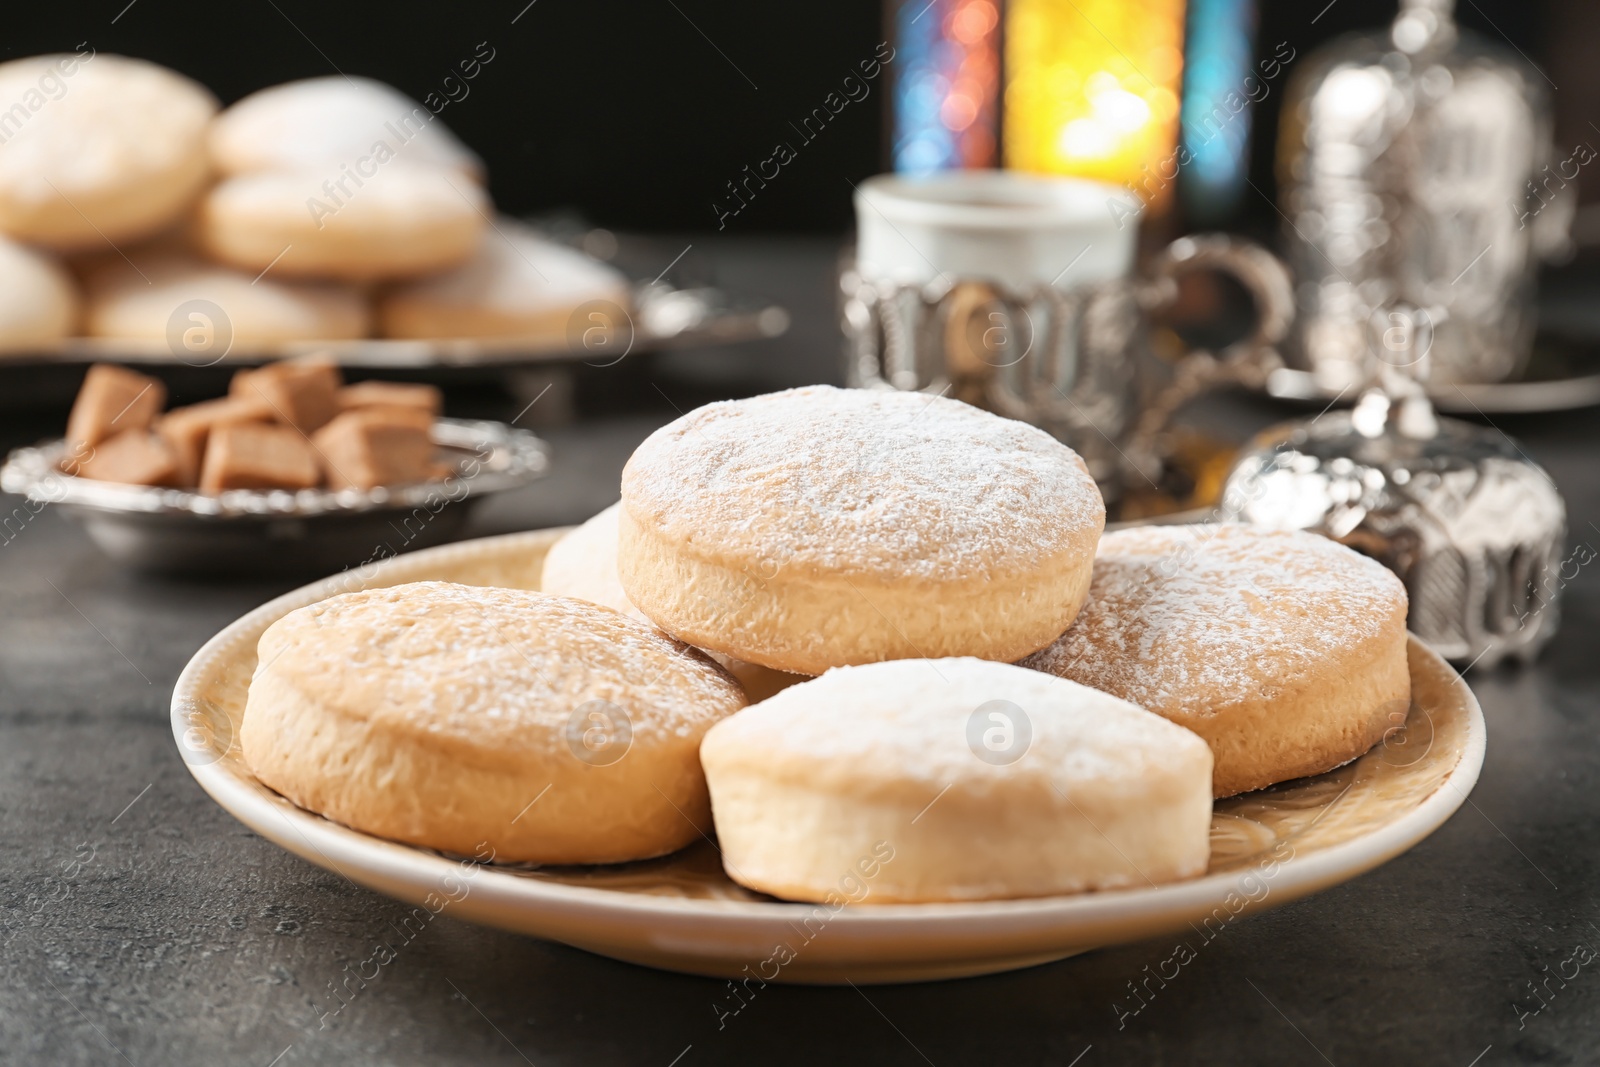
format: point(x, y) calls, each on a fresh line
point(301, 392)
point(135, 457)
point(113, 399)
point(370, 447)
point(248, 455)
point(187, 429)
point(390, 395)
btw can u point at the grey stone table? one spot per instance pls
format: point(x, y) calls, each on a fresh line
point(142, 925)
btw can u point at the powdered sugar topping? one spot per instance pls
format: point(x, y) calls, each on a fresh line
point(1182, 619)
point(497, 669)
point(910, 720)
point(885, 482)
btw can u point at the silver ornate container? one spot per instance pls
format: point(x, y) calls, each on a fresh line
point(1020, 294)
point(1059, 360)
point(1408, 164)
point(1471, 525)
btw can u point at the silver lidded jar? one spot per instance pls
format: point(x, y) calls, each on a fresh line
point(1470, 524)
point(1413, 167)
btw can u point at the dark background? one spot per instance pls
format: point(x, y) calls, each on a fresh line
point(636, 114)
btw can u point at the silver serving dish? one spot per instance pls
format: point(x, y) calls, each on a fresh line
point(322, 530)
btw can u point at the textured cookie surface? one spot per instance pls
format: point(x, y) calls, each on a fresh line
point(436, 714)
point(1285, 651)
point(820, 527)
point(954, 779)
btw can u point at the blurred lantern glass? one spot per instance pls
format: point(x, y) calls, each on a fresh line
point(1219, 86)
point(1092, 88)
point(947, 84)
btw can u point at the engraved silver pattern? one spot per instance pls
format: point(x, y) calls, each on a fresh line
point(1471, 525)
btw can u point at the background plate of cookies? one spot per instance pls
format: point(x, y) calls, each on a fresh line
point(142, 222)
point(848, 687)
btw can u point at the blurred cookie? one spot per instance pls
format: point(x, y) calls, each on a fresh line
point(158, 299)
point(343, 123)
point(97, 148)
point(517, 284)
point(583, 564)
point(38, 299)
point(401, 222)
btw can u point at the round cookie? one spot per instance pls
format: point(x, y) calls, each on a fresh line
point(517, 284)
point(1285, 651)
point(821, 527)
point(333, 120)
point(583, 564)
point(400, 222)
point(124, 302)
point(954, 779)
point(38, 300)
point(97, 148)
point(452, 717)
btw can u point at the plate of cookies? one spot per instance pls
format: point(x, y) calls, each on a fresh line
point(141, 221)
point(293, 469)
point(851, 685)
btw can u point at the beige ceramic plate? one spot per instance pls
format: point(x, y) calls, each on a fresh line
point(682, 913)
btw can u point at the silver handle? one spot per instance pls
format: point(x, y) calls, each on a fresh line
point(1247, 361)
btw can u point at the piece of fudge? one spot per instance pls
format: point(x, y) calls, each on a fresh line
point(301, 392)
point(112, 399)
point(370, 447)
point(250, 455)
point(134, 457)
point(187, 429)
point(391, 395)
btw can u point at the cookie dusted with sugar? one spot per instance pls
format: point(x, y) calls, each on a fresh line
point(954, 779)
point(1285, 651)
point(450, 716)
point(821, 527)
point(583, 564)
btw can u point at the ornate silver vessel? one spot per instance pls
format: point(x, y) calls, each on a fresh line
point(1019, 294)
point(1416, 166)
point(1471, 525)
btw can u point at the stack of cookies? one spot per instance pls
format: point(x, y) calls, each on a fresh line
point(321, 209)
point(840, 630)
